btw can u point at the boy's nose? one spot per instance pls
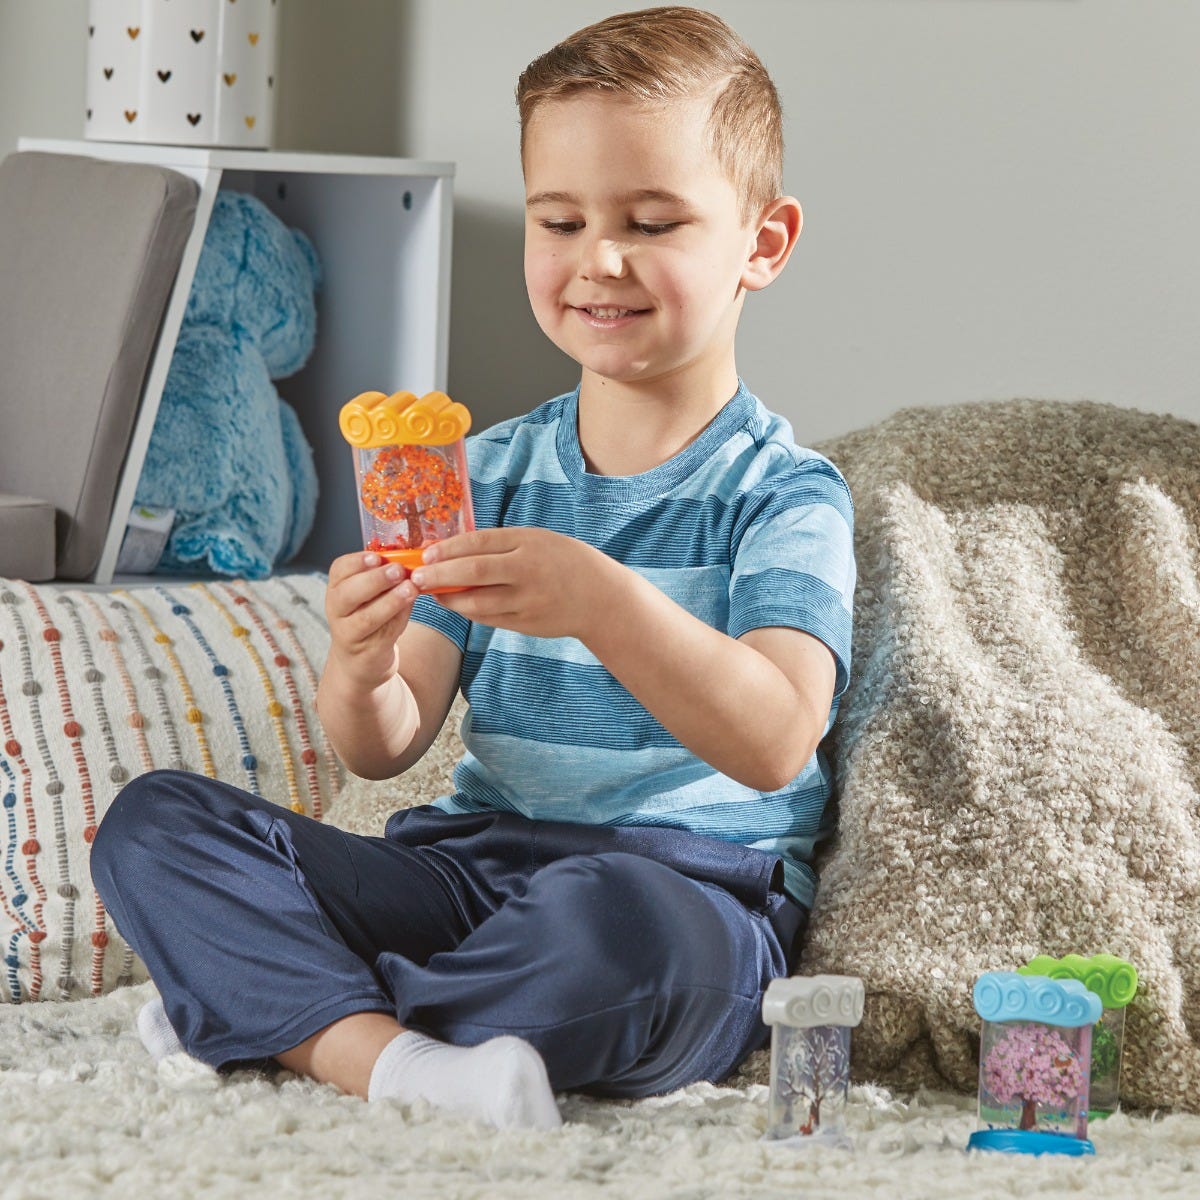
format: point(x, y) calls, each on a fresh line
point(603, 258)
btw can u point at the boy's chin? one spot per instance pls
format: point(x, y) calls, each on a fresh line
point(621, 364)
point(622, 373)
point(615, 366)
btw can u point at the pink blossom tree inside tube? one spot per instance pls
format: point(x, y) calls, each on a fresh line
point(1034, 1065)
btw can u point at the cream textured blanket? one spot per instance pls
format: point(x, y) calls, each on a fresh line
point(1019, 751)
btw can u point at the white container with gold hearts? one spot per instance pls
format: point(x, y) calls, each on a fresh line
point(182, 72)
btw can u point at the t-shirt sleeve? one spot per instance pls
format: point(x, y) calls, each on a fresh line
point(427, 611)
point(793, 559)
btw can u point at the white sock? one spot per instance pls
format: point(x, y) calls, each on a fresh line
point(155, 1030)
point(501, 1082)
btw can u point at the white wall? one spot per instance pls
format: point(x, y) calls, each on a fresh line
point(1001, 200)
point(43, 48)
point(1000, 195)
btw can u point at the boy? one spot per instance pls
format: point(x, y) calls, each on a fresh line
point(653, 634)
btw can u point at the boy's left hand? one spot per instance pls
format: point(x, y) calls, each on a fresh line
point(529, 580)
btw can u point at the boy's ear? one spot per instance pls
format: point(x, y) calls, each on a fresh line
point(779, 226)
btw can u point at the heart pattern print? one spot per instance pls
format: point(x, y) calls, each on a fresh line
point(182, 72)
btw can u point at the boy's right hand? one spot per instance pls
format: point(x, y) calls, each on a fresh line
point(368, 602)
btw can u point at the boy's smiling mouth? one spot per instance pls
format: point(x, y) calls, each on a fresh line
point(607, 316)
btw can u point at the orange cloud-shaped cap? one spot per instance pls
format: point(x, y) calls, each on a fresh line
point(402, 419)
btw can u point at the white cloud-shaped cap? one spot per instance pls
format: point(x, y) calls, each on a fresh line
point(803, 1002)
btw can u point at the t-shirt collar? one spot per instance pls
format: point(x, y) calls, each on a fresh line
point(626, 489)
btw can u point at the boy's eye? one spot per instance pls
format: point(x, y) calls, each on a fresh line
point(646, 228)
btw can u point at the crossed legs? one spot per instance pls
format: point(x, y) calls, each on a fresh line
point(272, 935)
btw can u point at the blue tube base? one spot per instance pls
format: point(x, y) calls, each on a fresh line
point(1024, 1141)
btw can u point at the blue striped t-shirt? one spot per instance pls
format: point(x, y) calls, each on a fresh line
point(744, 529)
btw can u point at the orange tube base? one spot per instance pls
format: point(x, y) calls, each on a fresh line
point(410, 560)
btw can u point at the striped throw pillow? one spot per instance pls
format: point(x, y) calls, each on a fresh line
point(98, 686)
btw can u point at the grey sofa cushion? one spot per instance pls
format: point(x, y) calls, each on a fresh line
point(88, 253)
point(26, 538)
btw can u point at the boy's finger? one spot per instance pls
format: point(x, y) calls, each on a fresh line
point(358, 589)
point(486, 604)
point(476, 571)
point(465, 545)
point(342, 566)
point(396, 602)
point(354, 563)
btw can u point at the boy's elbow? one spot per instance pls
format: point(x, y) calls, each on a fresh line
point(773, 777)
point(777, 768)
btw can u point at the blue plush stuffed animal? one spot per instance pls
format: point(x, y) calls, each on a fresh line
point(226, 452)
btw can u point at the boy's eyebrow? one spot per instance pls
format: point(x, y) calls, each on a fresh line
point(654, 194)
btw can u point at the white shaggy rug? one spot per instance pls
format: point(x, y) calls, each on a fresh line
point(85, 1112)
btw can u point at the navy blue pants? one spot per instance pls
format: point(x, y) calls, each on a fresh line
point(634, 959)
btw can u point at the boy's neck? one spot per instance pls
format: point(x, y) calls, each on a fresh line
point(628, 429)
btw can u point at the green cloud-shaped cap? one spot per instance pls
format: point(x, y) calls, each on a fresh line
point(1007, 996)
point(1112, 979)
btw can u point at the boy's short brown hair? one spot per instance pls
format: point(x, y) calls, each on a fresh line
point(664, 53)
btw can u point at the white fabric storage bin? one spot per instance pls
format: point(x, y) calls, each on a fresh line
point(191, 72)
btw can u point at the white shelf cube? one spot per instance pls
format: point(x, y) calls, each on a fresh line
point(382, 228)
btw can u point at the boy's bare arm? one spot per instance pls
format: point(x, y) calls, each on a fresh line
point(755, 708)
point(387, 684)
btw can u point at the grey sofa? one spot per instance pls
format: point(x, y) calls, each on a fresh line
point(89, 251)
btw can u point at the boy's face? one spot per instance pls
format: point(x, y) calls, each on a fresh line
point(634, 241)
